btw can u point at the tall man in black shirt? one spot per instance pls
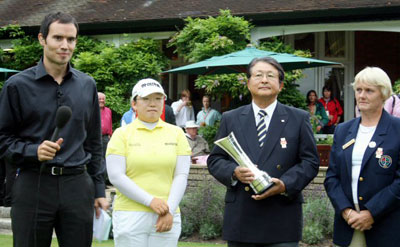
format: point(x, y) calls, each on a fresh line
point(59, 182)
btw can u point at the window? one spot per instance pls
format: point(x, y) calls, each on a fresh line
point(335, 44)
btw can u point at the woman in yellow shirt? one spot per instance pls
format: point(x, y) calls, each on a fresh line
point(148, 161)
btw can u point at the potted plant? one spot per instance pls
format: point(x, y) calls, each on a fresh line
point(324, 143)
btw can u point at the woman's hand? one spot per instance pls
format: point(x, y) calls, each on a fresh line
point(361, 221)
point(164, 223)
point(159, 206)
point(346, 214)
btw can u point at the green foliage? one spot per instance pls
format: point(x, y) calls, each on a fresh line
point(396, 87)
point(11, 31)
point(116, 70)
point(312, 233)
point(203, 38)
point(26, 53)
point(234, 84)
point(210, 231)
point(202, 210)
point(318, 216)
point(88, 44)
point(290, 95)
point(209, 132)
point(26, 49)
point(328, 140)
point(315, 121)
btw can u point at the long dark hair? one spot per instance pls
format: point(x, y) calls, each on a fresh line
point(328, 89)
point(308, 94)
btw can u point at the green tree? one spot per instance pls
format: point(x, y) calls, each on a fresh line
point(26, 49)
point(289, 95)
point(117, 69)
point(203, 38)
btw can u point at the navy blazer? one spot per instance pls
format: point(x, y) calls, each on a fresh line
point(378, 186)
point(278, 218)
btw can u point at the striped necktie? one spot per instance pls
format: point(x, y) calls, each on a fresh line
point(261, 128)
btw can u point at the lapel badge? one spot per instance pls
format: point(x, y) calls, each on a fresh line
point(349, 143)
point(282, 120)
point(372, 144)
point(283, 142)
point(378, 153)
point(385, 161)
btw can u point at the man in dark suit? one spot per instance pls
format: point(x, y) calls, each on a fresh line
point(281, 143)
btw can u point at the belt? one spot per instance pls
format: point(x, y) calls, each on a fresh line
point(61, 170)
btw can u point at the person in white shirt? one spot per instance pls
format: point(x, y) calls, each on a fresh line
point(363, 177)
point(183, 109)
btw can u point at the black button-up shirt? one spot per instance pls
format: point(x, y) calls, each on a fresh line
point(28, 104)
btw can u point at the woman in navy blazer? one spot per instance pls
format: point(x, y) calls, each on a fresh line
point(363, 178)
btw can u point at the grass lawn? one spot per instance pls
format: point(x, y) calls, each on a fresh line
point(6, 241)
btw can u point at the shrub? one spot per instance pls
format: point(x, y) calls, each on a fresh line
point(202, 210)
point(210, 231)
point(208, 133)
point(318, 219)
point(312, 233)
point(188, 227)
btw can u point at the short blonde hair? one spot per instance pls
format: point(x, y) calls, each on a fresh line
point(375, 76)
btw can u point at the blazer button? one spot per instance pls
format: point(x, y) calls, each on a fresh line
point(361, 179)
point(278, 167)
point(247, 188)
point(360, 198)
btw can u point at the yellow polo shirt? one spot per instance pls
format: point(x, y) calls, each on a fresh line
point(151, 157)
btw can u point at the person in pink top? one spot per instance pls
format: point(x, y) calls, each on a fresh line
point(106, 124)
point(392, 105)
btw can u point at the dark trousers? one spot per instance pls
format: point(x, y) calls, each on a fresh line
point(64, 203)
point(2, 181)
point(8, 173)
point(239, 244)
point(105, 139)
point(11, 174)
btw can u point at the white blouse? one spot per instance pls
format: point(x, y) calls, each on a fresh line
point(363, 138)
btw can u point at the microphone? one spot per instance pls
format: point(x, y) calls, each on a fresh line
point(63, 115)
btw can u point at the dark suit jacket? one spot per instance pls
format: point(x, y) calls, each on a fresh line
point(277, 218)
point(378, 186)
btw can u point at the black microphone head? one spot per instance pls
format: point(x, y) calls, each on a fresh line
point(62, 116)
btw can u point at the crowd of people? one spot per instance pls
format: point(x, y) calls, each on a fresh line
point(60, 159)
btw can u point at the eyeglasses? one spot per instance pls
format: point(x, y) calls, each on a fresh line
point(270, 76)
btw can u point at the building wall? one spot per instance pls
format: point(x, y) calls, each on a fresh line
point(381, 49)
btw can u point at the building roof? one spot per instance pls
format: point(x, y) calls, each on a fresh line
point(115, 16)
